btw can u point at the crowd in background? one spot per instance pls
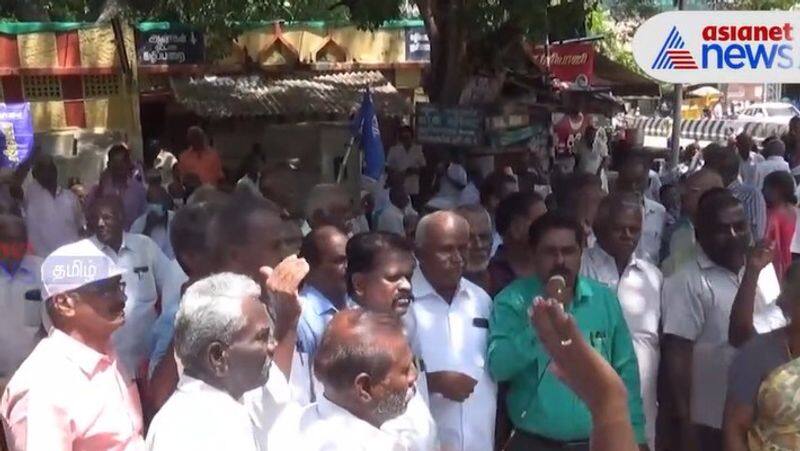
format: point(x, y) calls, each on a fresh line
point(592, 305)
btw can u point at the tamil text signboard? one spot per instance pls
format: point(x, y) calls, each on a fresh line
point(454, 126)
point(170, 47)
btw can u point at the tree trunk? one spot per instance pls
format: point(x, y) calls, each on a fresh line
point(444, 79)
point(111, 9)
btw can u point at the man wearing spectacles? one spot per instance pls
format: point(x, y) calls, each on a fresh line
point(70, 393)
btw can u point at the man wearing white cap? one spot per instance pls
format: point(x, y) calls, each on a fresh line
point(69, 394)
point(148, 272)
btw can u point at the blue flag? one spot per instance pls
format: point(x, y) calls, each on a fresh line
point(365, 129)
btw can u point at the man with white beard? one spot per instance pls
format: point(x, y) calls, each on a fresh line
point(368, 376)
point(480, 244)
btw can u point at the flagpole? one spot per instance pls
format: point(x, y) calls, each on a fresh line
point(343, 167)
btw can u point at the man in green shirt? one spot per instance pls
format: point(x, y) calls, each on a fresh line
point(546, 414)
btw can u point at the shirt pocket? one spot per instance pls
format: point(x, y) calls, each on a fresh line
point(140, 286)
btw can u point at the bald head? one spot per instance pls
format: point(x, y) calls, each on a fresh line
point(352, 344)
point(443, 249)
point(435, 224)
point(618, 225)
point(363, 361)
point(694, 186)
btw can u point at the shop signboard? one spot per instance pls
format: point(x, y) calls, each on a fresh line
point(455, 126)
point(159, 47)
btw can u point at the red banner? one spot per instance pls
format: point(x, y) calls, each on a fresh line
point(568, 62)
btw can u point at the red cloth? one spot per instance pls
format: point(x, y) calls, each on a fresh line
point(780, 231)
point(568, 132)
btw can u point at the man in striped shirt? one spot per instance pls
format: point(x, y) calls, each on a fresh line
point(726, 163)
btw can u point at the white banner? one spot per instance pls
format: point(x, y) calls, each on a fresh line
point(720, 47)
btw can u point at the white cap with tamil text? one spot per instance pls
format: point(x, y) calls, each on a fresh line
point(75, 265)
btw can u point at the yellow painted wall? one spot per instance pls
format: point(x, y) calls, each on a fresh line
point(37, 50)
point(378, 47)
point(48, 116)
point(119, 113)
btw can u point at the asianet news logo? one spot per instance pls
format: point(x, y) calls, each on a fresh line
point(691, 46)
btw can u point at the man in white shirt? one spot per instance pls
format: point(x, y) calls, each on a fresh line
point(391, 218)
point(697, 303)
point(20, 296)
point(448, 328)
point(156, 221)
point(407, 158)
point(52, 214)
point(148, 272)
point(367, 371)
point(618, 226)
point(749, 159)
point(224, 340)
point(774, 150)
point(379, 269)
point(633, 177)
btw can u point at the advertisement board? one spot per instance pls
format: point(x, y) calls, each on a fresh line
point(723, 47)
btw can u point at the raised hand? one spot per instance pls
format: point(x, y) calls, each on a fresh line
point(282, 284)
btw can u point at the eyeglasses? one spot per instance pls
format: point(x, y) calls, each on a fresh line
point(103, 288)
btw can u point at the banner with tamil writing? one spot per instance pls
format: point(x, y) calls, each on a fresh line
point(572, 62)
point(16, 133)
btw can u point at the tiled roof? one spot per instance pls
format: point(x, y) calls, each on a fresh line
point(327, 95)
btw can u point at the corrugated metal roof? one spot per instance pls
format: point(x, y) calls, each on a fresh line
point(331, 94)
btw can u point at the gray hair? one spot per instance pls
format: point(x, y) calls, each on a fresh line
point(473, 209)
point(427, 221)
point(211, 310)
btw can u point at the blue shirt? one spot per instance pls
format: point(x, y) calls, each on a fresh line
point(317, 313)
point(164, 327)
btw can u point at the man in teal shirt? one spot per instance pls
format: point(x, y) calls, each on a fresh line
point(546, 414)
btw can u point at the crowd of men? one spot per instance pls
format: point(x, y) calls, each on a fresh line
point(518, 311)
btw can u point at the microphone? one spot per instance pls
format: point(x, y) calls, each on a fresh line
point(556, 288)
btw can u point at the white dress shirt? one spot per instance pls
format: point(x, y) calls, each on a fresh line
point(402, 160)
point(639, 292)
point(200, 417)
point(414, 429)
point(391, 220)
point(20, 320)
point(325, 426)
point(767, 167)
point(52, 221)
point(696, 303)
point(653, 191)
point(453, 337)
point(149, 271)
point(653, 219)
point(159, 234)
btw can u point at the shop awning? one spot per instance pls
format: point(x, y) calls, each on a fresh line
point(621, 80)
point(328, 96)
